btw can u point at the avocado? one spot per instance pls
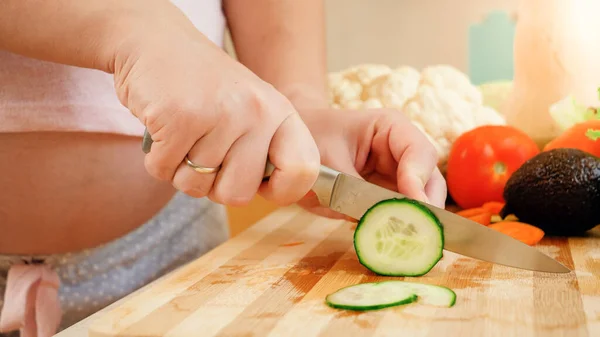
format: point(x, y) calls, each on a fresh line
point(557, 191)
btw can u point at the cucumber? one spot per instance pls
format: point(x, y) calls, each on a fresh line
point(399, 237)
point(371, 296)
point(385, 294)
point(429, 294)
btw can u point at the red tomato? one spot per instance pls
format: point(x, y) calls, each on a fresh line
point(482, 160)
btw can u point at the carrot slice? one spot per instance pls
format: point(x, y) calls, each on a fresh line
point(523, 232)
point(469, 212)
point(477, 214)
point(483, 218)
point(493, 207)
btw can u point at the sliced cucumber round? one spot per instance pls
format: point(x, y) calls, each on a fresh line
point(399, 237)
point(433, 295)
point(371, 296)
point(385, 294)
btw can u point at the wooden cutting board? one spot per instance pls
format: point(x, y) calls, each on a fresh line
point(272, 279)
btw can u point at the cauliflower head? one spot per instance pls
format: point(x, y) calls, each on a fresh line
point(440, 100)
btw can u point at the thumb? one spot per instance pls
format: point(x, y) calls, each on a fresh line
point(414, 171)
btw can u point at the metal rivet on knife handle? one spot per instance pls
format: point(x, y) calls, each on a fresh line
point(147, 142)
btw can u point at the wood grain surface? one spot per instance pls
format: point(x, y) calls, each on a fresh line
point(272, 279)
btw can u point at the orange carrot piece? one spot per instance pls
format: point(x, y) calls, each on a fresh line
point(523, 232)
point(469, 212)
point(493, 207)
point(477, 214)
point(483, 218)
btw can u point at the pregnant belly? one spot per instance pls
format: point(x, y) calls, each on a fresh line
point(64, 192)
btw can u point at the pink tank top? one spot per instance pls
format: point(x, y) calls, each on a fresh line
point(44, 96)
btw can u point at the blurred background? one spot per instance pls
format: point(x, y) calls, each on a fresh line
point(414, 32)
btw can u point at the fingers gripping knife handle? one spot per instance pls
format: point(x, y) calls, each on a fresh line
point(323, 187)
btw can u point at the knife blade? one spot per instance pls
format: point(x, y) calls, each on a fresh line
point(352, 197)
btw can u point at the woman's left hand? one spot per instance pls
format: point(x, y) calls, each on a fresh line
point(381, 146)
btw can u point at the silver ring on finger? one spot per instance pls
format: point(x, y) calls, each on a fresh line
point(201, 169)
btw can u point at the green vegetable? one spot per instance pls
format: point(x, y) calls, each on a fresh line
point(429, 294)
point(371, 296)
point(399, 237)
point(593, 134)
point(495, 93)
point(385, 294)
point(567, 112)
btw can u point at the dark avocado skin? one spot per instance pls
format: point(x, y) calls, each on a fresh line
point(557, 191)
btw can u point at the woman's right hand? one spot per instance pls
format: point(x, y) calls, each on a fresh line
point(196, 100)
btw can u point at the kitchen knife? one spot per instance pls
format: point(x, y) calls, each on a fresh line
point(352, 196)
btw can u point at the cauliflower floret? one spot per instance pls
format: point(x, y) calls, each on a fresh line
point(489, 116)
point(445, 114)
point(395, 88)
point(347, 86)
point(365, 73)
point(442, 112)
point(343, 90)
point(448, 77)
point(372, 103)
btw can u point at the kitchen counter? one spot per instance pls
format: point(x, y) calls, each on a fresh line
point(272, 279)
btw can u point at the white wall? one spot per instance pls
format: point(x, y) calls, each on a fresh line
point(394, 32)
point(413, 32)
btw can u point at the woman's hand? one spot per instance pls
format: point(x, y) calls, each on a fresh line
point(380, 145)
point(196, 100)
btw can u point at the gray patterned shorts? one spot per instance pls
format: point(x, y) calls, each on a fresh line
point(183, 230)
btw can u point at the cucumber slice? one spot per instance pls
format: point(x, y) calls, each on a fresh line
point(384, 294)
point(399, 237)
point(371, 296)
point(433, 295)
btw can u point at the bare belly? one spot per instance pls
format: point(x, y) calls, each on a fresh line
point(62, 192)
